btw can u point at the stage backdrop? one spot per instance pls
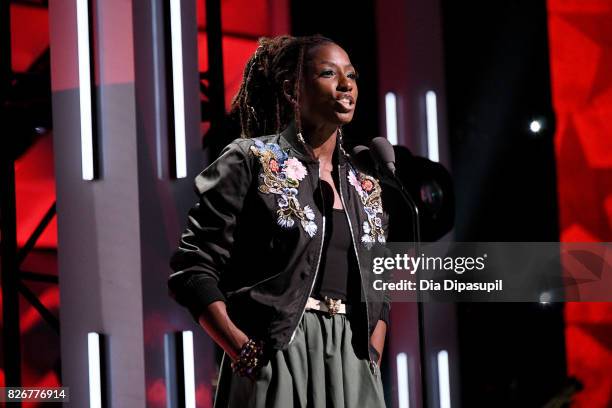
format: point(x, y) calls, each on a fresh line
point(581, 62)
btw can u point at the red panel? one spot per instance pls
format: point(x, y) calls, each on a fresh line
point(35, 191)
point(245, 17)
point(29, 35)
point(236, 52)
point(581, 62)
point(39, 344)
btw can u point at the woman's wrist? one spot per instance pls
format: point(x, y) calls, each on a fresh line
point(249, 359)
point(217, 323)
point(375, 352)
point(377, 340)
point(239, 340)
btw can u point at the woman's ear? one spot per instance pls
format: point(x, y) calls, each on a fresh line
point(288, 91)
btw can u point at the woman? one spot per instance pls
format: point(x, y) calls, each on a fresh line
point(268, 264)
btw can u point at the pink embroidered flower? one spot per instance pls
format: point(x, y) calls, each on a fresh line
point(294, 169)
point(367, 185)
point(274, 166)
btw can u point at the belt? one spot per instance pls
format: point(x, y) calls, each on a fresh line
point(331, 306)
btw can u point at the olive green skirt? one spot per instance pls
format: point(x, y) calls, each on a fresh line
point(319, 370)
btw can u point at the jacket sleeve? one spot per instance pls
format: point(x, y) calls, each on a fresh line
point(205, 245)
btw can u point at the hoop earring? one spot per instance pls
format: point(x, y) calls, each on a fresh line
point(252, 109)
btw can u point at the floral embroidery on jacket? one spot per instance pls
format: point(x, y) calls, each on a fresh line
point(281, 176)
point(369, 192)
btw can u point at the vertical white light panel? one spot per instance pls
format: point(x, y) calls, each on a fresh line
point(188, 369)
point(391, 117)
point(403, 387)
point(444, 379)
point(432, 126)
point(168, 372)
point(176, 35)
point(87, 159)
point(95, 375)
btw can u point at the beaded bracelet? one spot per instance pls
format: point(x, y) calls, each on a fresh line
point(249, 358)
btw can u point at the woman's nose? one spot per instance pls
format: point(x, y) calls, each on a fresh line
point(345, 84)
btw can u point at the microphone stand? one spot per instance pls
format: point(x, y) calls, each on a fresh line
point(393, 181)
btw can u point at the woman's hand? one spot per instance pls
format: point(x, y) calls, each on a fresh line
point(377, 340)
point(223, 331)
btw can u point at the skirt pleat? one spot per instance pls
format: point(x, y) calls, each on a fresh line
point(319, 369)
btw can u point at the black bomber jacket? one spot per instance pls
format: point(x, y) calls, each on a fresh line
point(255, 237)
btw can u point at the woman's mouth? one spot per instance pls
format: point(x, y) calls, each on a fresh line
point(345, 103)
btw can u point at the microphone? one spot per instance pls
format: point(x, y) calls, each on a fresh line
point(361, 157)
point(359, 150)
point(382, 152)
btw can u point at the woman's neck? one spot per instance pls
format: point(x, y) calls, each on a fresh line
point(322, 141)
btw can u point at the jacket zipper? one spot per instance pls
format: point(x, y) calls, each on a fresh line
point(314, 280)
point(373, 365)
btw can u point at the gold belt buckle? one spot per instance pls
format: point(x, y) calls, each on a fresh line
point(333, 305)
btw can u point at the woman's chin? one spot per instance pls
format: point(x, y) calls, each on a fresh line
point(334, 118)
point(344, 118)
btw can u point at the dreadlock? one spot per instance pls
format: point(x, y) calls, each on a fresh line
point(260, 101)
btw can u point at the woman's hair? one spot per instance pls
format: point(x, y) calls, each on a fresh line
point(261, 103)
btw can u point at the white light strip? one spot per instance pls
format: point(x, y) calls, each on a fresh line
point(85, 90)
point(432, 126)
point(168, 354)
point(443, 379)
point(403, 387)
point(391, 117)
point(178, 92)
point(157, 82)
point(93, 354)
point(188, 369)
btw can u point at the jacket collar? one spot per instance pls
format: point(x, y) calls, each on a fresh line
point(288, 139)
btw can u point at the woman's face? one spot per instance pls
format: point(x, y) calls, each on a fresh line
point(329, 92)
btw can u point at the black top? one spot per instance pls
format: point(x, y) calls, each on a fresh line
point(338, 275)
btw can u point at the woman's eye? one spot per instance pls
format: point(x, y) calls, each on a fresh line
point(327, 73)
point(353, 75)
